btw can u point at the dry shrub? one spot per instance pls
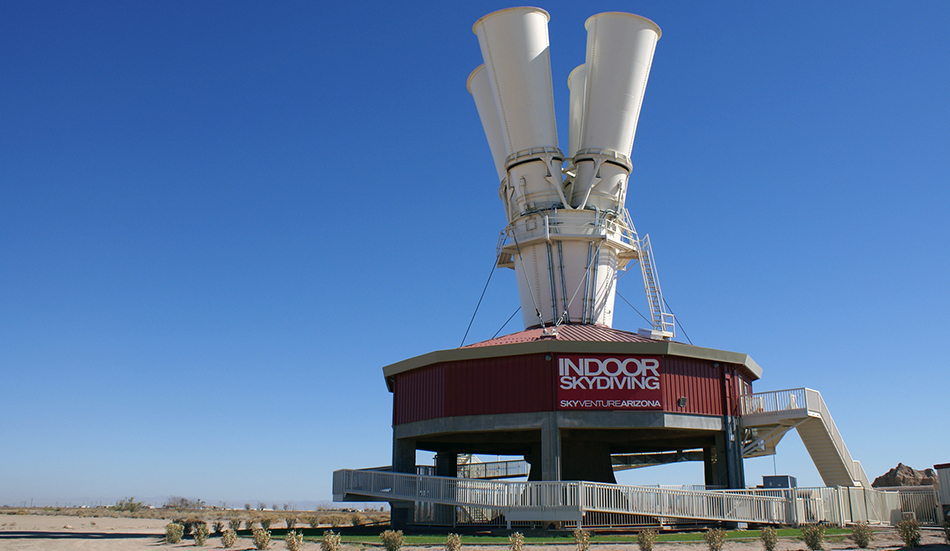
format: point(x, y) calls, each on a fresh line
point(769, 537)
point(293, 541)
point(582, 539)
point(291, 521)
point(453, 542)
point(861, 535)
point(313, 521)
point(266, 522)
point(201, 533)
point(234, 523)
point(356, 520)
point(516, 541)
point(392, 541)
point(814, 536)
point(261, 538)
point(249, 523)
point(174, 532)
point(331, 541)
point(646, 539)
point(229, 538)
point(715, 539)
point(909, 531)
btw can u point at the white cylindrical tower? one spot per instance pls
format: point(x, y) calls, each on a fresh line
point(564, 246)
point(619, 54)
point(480, 88)
point(577, 84)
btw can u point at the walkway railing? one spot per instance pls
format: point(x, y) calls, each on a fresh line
point(810, 404)
point(571, 500)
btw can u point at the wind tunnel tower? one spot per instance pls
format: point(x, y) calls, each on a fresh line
point(567, 232)
point(575, 397)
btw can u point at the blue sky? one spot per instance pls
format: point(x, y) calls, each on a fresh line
point(219, 221)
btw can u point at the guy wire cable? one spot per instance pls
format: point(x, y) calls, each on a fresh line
point(467, 329)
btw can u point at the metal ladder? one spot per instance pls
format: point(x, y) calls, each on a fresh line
point(661, 319)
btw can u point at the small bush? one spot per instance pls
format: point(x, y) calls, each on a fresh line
point(261, 538)
point(234, 524)
point(293, 541)
point(861, 535)
point(218, 527)
point(201, 533)
point(516, 541)
point(174, 532)
point(266, 522)
point(331, 541)
point(249, 524)
point(392, 541)
point(313, 521)
point(582, 539)
point(814, 535)
point(769, 537)
point(229, 538)
point(909, 531)
point(453, 542)
point(356, 520)
point(291, 521)
point(715, 539)
point(646, 539)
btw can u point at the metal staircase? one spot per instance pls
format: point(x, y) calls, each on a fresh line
point(767, 416)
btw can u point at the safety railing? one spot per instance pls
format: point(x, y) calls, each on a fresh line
point(540, 500)
point(774, 401)
point(494, 469)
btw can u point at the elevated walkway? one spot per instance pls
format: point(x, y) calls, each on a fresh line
point(530, 502)
point(767, 416)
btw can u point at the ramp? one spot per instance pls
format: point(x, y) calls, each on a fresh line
point(767, 416)
point(571, 501)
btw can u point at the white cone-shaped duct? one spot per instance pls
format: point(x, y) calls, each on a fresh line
point(514, 44)
point(577, 84)
point(620, 50)
point(480, 88)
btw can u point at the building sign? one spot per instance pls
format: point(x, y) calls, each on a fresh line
point(608, 382)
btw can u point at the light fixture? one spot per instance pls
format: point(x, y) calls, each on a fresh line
point(681, 402)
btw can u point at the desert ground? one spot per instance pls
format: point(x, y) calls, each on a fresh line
point(70, 533)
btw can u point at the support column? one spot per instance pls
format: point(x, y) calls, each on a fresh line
point(404, 461)
point(735, 466)
point(710, 458)
point(446, 464)
point(550, 449)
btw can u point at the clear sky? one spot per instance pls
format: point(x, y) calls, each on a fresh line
point(220, 220)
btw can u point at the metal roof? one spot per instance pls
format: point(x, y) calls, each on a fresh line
point(572, 339)
point(568, 333)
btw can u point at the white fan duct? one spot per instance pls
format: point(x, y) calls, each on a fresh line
point(568, 232)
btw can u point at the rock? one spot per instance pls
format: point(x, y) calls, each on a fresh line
point(68, 527)
point(902, 475)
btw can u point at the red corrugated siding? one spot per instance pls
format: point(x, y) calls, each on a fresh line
point(514, 384)
point(417, 395)
point(697, 380)
point(519, 384)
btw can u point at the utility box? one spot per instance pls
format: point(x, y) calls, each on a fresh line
point(779, 481)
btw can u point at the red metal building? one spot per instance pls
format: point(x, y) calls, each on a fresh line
point(576, 404)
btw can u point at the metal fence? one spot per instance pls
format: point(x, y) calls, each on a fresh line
point(584, 502)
